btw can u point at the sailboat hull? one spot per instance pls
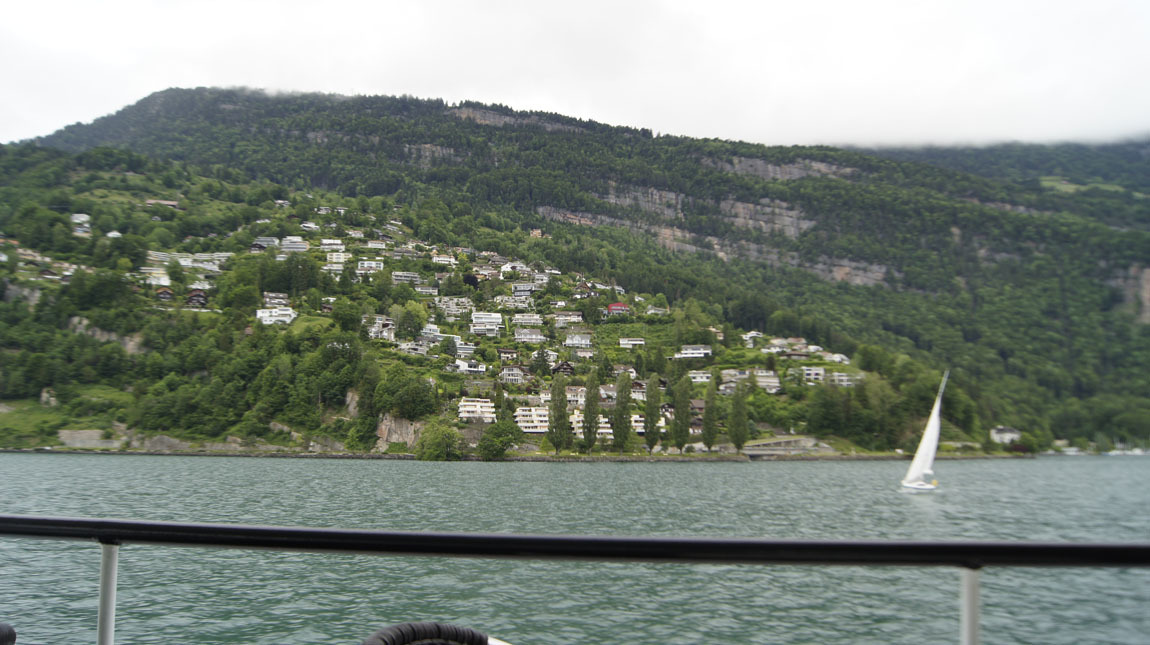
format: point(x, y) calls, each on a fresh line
point(918, 486)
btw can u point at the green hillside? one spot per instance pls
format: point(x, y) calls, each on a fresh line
point(1030, 294)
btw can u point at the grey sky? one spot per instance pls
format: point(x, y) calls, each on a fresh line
point(818, 71)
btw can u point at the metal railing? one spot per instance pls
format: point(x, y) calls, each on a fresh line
point(967, 556)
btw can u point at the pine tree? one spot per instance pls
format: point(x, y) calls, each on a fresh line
point(681, 425)
point(710, 415)
point(591, 412)
point(737, 422)
point(651, 413)
point(558, 425)
point(621, 417)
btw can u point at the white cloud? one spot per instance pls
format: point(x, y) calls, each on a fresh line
point(770, 72)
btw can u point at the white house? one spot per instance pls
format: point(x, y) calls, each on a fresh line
point(338, 257)
point(527, 320)
point(604, 429)
point(813, 374)
point(699, 376)
point(1005, 434)
point(693, 351)
point(470, 367)
point(565, 318)
point(282, 315)
point(528, 335)
point(631, 343)
point(532, 420)
point(582, 341)
point(471, 409)
point(513, 375)
point(842, 379)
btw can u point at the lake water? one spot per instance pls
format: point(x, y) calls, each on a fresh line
point(48, 589)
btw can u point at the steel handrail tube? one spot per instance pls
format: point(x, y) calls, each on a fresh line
point(970, 555)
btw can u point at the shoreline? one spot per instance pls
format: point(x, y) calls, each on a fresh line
point(698, 458)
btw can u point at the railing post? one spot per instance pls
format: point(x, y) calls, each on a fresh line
point(968, 633)
point(106, 619)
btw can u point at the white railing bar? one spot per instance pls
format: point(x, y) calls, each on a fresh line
point(106, 619)
point(968, 600)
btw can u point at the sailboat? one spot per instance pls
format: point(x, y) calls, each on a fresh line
point(923, 461)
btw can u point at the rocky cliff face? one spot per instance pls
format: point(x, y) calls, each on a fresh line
point(88, 439)
point(489, 117)
point(769, 216)
point(1135, 285)
point(425, 155)
point(13, 292)
point(396, 430)
point(133, 343)
point(783, 172)
point(676, 239)
point(664, 203)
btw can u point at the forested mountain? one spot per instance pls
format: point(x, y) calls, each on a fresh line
point(1028, 280)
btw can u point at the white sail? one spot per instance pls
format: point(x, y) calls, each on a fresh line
point(923, 462)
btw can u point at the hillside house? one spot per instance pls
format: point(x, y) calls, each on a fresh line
point(379, 327)
point(513, 302)
point(529, 335)
point(618, 309)
point(618, 369)
point(487, 318)
point(294, 244)
point(474, 409)
point(842, 379)
point(454, 306)
point(276, 315)
point(533, 420)
point(469, 367)
point(604, 429)
point(507, 355)
point(1005, 435)
point(631, 343)
point(513, 375)
point(693, 351)
point(563, 367)
point(527, 320)
point(699, 376)
point(367, 267)
point(404, 277)
point(331, 245)
point(578, 341)
point(567, 318)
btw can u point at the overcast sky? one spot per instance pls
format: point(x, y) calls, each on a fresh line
point(794, 72)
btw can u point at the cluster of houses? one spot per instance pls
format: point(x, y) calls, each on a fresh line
point(512, 317)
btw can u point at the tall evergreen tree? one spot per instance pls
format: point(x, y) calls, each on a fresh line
point(591, 412)
point(710, 414)
point(737, 422)
point(681, 425)
point(558, 425)
point(651, 412)
point(621, 416)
